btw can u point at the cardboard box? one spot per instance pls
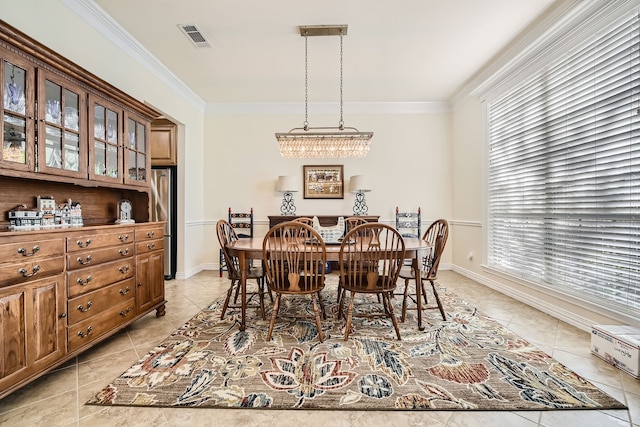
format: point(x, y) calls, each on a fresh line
point(618, 345)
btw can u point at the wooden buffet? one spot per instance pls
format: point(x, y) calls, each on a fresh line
point(325, 220)
point(70, 136)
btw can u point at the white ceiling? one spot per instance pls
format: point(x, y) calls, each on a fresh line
point(395, 51)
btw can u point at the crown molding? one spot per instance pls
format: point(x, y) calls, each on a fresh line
point(566, 24)
point(329, 108)
point(95, 16)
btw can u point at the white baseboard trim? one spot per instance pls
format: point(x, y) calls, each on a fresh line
point(567, 316)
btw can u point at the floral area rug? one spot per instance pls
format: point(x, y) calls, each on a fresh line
point(469, 362)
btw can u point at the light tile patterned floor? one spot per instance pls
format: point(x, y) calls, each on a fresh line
point(57, 399)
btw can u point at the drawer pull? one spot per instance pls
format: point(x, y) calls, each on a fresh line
point(34, 271)
point(151, 246)
point(124, 291)
point(125, 252)
point(124, 269)
point(63, 315)
point(83, 334)
point(84, 310)
point(125, 313)
point(84, 244)
point(84, 282)
point(150, 234)
point(34, 251)
point(84, 261)
point(124, 238)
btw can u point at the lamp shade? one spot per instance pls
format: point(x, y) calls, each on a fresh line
point(286, 184)
point(359, 183)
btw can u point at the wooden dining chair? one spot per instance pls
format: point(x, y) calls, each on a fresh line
point(436, 235)
point(305, 220)
point(352, 222)
point(226, 234)
point(294, 256)
point(371, 256)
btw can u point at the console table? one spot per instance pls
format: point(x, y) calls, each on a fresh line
point(325, 220)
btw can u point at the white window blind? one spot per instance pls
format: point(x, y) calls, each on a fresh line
point(564, 173)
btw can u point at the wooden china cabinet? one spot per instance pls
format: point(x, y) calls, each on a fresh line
point(70, 136)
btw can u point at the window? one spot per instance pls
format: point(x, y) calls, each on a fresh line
point(564, 173)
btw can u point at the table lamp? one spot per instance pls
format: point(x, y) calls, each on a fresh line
point(287, 185)
point(359, 184)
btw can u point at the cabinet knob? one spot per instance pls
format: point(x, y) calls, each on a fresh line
point(34, 271)
point(84, 282)
point(85, 334)
point(84, 261)
point(150, 234)
point(85, 309)
point(125, 252)
point(124, 269)
point(63, 315)
point(124, 238)
point(124, 291)
point(151, 246)
point(84, 244)
point(34, 251)
point(125, 313)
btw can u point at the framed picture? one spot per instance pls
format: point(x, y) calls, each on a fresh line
point(323, 182)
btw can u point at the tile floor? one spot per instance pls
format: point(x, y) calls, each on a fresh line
point(57, 399)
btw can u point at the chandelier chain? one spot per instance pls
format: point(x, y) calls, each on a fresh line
point(341, 123)
point(306, 83)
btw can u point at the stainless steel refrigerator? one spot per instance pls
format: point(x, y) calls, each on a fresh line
point(164, 208)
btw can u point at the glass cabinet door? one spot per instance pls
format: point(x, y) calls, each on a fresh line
point(62, 147)
point(136, 156)
point(105, 154)
point(17, 126)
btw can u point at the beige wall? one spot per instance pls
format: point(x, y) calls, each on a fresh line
point(408, 166)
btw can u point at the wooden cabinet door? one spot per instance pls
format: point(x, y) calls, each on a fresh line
point(62, 124)
point(163, 143)
point(149, 280)
point(105, 141)
point(32, 328)
point(17, 100)
point(137, 162)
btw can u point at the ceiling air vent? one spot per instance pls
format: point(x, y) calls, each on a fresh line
point(194, 34)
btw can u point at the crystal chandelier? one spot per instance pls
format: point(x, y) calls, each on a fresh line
point(323, 142)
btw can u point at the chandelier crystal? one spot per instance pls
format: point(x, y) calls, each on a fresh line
point(323, 142)
point(299, 143)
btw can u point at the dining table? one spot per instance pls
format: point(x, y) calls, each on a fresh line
point(247, 249)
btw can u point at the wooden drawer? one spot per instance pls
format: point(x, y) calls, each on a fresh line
point(92, 278)
point(149, 246)
point(30, 269)
point(90, 257)
point(150, 233)
point(80, 242)
point(93, 303)
point(88, 330)
point(31, 250)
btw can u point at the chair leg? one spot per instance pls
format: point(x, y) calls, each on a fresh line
point(261, 297)
point(324, 312)
point(274, 314)
point(347, 327)
point(339, 294)
point(389, 310)
point(316, 310)
point(440, 307)
point(227, 299)
point(340, 302)
point(235, 298)
point(404, 300)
